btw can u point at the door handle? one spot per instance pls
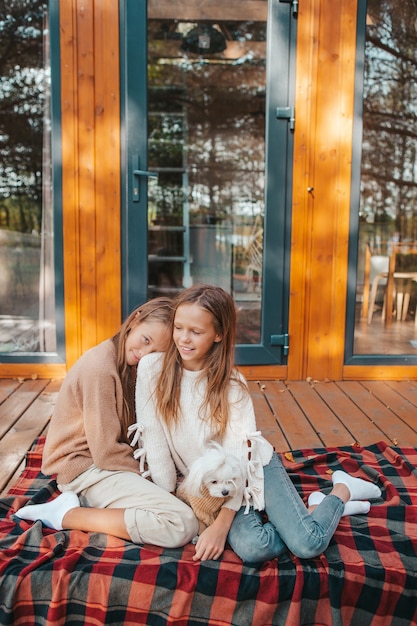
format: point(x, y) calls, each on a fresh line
point(145, 173)
point(136, 174)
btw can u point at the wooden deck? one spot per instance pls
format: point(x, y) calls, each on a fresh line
point(291, 415)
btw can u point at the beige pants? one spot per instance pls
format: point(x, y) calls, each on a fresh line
point(152, 515)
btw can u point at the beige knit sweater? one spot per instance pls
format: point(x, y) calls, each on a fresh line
point(85, 428)
point(206, 508)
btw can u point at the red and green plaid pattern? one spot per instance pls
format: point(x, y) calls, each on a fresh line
point(368, 575)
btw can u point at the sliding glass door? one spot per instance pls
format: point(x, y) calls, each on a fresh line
point(383, 303)
point(28, 328)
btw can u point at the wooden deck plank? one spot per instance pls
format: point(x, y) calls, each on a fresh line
point(393, 429)
point(361, 428)
point(293, 422)
point(406, 388)
point(12, 408)
point(12, 479)
point(19, 438)
point(395, 402)
point(265, 418)
point(324, 420)
point(7, 387)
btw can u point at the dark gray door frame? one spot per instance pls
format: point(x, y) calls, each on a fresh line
point(279, 149)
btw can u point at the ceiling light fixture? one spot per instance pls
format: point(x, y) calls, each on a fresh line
point(204, 39)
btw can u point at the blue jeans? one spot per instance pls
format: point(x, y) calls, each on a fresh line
point(289, 527)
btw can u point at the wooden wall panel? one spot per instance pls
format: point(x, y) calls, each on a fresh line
point(70, 216)
point(326, 48)
point(303, 177)
point(107, 190)
point(91, 171)
point(84, 99)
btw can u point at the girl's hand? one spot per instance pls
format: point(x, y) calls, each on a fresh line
point(211, 542)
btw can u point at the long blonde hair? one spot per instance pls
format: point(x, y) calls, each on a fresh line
point(219, 370)
point(155, 310)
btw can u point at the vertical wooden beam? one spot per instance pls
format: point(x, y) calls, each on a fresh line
point(70, 213)
point(303, 176)
point(87, 207)
point(322, 161)
point(107, 173)
point(91, 171)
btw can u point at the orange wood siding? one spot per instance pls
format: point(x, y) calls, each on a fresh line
point(325, 70)
point(91, 171)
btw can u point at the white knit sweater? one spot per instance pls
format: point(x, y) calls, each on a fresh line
point(166, 449)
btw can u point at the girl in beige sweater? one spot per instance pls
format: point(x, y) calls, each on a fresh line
point(88, 451)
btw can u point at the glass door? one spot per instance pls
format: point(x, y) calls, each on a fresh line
point(383, 303)
point(30, 266)
point(207, 156)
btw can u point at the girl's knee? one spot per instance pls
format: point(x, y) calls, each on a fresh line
point(306, 552)
point(261, 546)
point(181, 525)
point(190, 526)
point(253, 555)
point(172, 529)
point(309, 547)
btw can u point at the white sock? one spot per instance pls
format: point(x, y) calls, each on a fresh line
point(359, 489)
point(51, 513)
point(353, 507)
point(315, 498)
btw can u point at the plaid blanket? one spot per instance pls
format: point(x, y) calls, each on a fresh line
point(368, 575)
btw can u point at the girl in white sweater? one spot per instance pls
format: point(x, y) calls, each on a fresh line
point(192, 394)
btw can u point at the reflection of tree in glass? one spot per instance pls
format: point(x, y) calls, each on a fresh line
point(222, 107)
point(22, 99)
point(389, 150)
